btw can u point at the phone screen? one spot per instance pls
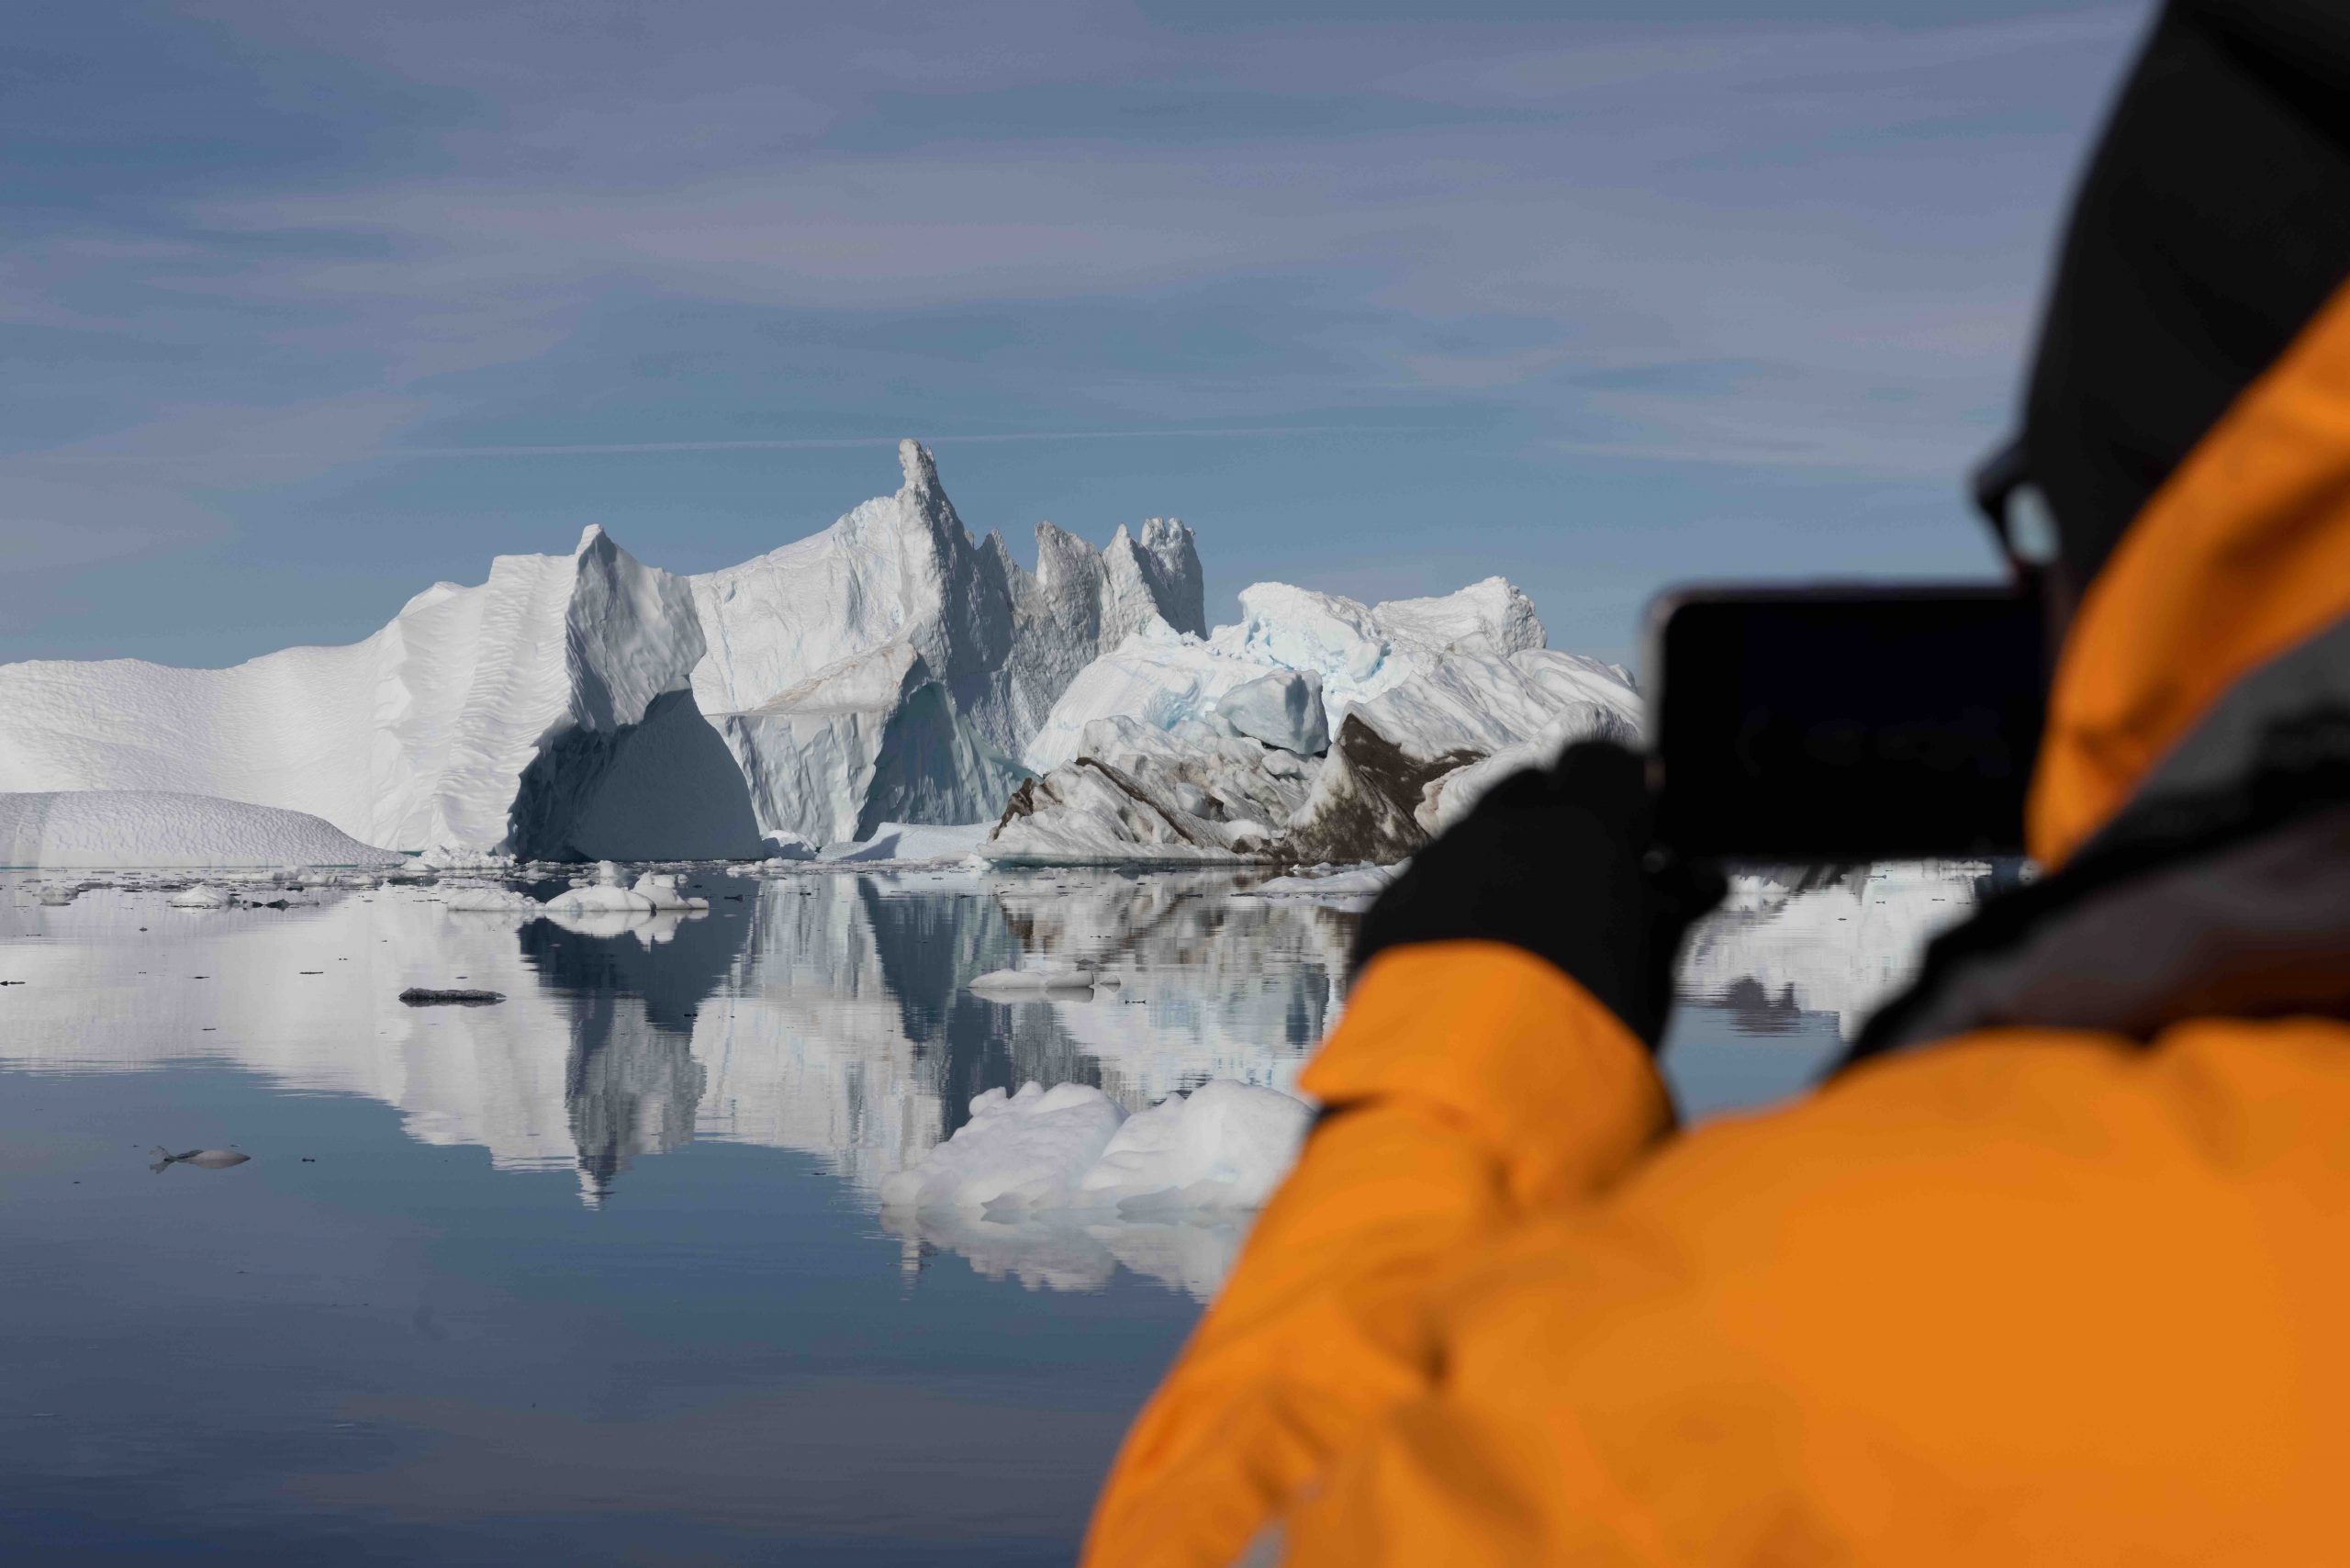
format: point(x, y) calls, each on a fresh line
point(1846, 723)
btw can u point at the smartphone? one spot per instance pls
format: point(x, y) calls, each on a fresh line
point(1845, 723)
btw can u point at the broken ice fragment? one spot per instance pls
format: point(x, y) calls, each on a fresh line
point(203, 1159)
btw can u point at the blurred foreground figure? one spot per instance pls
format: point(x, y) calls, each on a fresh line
point(2055, 1270)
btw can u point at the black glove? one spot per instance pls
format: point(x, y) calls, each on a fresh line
point(1560, 862)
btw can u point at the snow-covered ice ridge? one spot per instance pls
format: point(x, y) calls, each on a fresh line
point(1314, 729)
point(589, 706)
point(155, 828)
point(536, 713)
point(889, 669)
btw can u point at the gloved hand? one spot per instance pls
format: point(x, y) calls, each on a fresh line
point(1561, 862)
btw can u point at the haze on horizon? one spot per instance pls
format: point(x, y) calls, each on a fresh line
point(308, 307)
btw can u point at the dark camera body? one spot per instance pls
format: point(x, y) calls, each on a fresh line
point(1845, 723)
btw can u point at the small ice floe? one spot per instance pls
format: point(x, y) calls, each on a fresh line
point(654, 893)
point(451, 858)
point(1041, 977)
point(424, 996)
point(202, 1159)
point(1223, 1148)
point(488, 901)
point(204, 895)
point(53, 897)
point(1331, 884)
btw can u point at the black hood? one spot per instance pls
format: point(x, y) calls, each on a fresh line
point(2213, 222)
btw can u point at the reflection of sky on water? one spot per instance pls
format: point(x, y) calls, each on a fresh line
point(399, 1334)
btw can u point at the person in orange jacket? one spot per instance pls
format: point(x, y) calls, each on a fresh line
point(2057, 1268)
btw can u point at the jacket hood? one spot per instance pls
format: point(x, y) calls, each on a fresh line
point(2187, 416)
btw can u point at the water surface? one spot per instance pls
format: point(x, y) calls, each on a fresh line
point(596, 1275)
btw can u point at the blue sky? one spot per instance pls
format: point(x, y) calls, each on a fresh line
point(306, 306)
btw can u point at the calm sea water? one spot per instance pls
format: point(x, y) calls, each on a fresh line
point(596, 1275)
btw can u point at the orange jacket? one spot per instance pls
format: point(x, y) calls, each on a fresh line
point(2031, 1295)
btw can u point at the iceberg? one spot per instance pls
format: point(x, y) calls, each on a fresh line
point(487, 719)
point(113, 828)
point(888, 674)
point(890, 668)
point(1316, 729)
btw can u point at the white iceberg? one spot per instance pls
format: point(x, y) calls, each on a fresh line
point(1026, 1151)
point(202, 895)
point(121, 828)
point(660, 888)
point(1224, 1146)
point(488, 720)
point(488, 901)
point(1182, 748)
point(890, 668)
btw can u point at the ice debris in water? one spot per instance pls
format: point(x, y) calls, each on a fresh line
point(1334, 884)
point(490, 900)
point(202, 1159)
point(1224, 1146)
point(204, 895)
point(1042, 977)
point(424, 996)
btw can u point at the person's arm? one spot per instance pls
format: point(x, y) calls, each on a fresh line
point(1471, 1082)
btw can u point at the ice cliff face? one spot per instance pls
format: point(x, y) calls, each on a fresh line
point(493, 717)
point(892, 669)
point(1313, 729)
point(888, 670)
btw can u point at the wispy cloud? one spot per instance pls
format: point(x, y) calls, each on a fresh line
point(450, 231)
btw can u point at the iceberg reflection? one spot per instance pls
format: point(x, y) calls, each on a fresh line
point(825, 1013)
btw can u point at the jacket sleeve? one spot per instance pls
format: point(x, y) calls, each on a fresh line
point(1468, 1085)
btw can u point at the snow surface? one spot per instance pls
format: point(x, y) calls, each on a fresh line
point(159, 828)
point(1224, 1146)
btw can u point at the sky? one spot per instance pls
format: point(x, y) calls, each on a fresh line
point(304, 307)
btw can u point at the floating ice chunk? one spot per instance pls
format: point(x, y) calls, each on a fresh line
point(1040, 977)
point(661, 888)
point(1337, 885)
point(1226, 1146)
point(1223, 1148)
point(204, 895)
point(599, 898)
point(202, 1159)
point(455, 857)
point(1018, 1152)
point(490, 900)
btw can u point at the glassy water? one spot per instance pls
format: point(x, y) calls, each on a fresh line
point(596, 1274)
